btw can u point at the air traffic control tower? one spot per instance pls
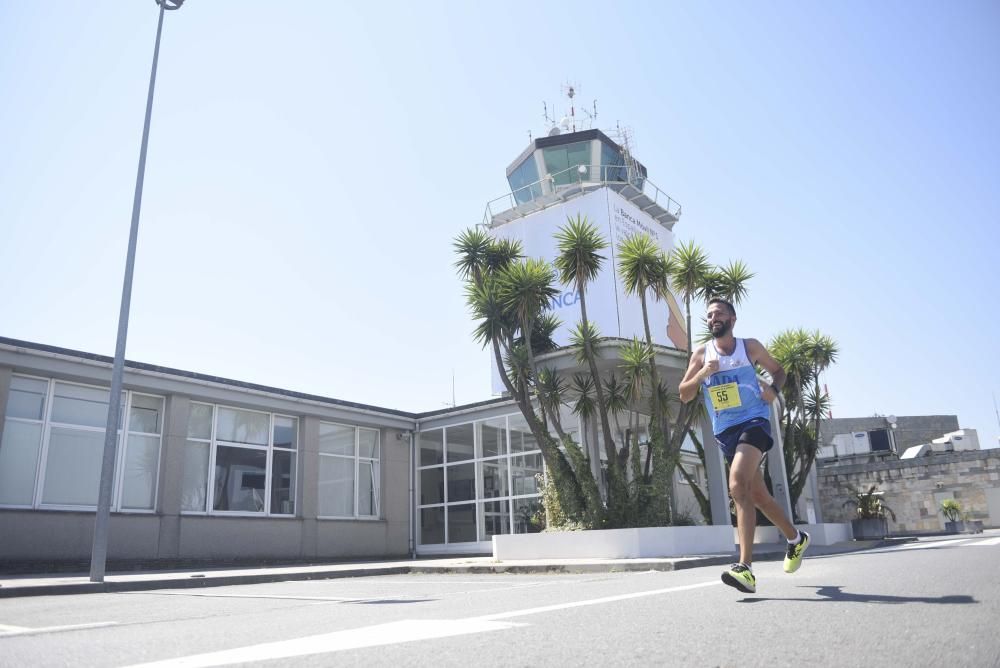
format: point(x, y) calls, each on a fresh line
point(585, 172)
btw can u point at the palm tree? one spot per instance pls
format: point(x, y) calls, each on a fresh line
point(690, 272)
point(642, 268)
point(579, 262)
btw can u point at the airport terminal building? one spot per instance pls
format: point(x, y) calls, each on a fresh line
point(215, 469)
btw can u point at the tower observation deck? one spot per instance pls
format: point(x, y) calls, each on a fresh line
point(562, 166)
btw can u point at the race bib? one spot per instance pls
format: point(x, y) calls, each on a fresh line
point(725, 396)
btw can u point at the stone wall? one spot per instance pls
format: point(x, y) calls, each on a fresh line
point(914, 488)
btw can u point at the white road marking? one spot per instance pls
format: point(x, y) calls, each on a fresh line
point(936, 543)
point(6, 628)
point(293, 597)
point(407, 630)
point(596, 601)
point(988, 541)
point(24, 631)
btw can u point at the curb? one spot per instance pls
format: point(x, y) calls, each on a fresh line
point(202, 580)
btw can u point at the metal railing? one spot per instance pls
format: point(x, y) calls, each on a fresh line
point(552, 189)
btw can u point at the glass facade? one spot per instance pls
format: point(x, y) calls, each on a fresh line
point(612, 163)
point(559, 159)
point(479, 479)
point(524, 181)
point(53, 445)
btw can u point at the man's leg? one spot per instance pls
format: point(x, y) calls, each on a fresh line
point(772, 511)
point(742, 473)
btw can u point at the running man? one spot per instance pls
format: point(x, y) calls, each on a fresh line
point(739, 404)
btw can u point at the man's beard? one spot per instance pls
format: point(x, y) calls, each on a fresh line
point(727, 326)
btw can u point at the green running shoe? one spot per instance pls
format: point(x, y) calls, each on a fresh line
point(740, 577)
point(793, 558)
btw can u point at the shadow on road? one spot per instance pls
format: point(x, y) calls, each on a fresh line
point(828, 593)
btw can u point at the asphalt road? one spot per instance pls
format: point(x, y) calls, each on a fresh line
point(932, 603)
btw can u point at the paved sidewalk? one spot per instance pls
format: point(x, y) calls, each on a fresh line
point(52, 585)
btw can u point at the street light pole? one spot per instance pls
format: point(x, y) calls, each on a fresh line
point(99, 552)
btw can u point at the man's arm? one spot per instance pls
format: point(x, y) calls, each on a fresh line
point(757, 352)
point(698, 370)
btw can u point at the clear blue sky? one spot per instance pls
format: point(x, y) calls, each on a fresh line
point(310, 163)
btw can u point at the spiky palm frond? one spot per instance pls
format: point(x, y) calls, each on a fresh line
point(518, 366)
point(551, 388)
point(634, 358)
point(493, 321)
point(641, 264)
point(732, 281)
point(584, 336)
point(583, 388)
point(615, 394)
point(690, 269)
point(543, 331)
point(579, 260)
point(526, 289)
point(817, 404)
point(501, 254)
point(471, 246)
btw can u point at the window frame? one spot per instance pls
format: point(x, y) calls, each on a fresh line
point(269, 449)
point(357, 459)
point(124, 420)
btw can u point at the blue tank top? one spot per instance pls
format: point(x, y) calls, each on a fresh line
point(732, 394)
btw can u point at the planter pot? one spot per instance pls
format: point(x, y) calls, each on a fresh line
point(955, 527)
point(870, 529)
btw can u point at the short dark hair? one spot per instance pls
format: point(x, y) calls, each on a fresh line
point(719, 300)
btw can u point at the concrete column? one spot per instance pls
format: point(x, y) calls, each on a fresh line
point(307, 489)
point(715, 470)
point(814, 493)
point(175, 426)
point(776, 464)
point(5, 376)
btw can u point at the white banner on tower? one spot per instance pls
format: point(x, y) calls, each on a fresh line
point(608, 307)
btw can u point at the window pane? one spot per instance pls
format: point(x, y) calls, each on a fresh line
point(460, 444)
point(335, 439)
point(368, 443)
point(242, 426)
point(431, 447)
point(283, 483)
point(239, 478)
point(528, 515)
point(431, 486)
point(18, 459)
point(523, 181)
point(521, 439)
point(496, 518)
point(495, 478)
point(284, 432)
point(336, 487)
point(431, 526)
point(73, 467)
point(493, 434)
point(146, 414)
point(559, 159)
point(523, 470)
point(200, 421)
point(85, 406)
point(461, 482)
point(367, 488)
point(142, 464)
point(194, 483)
point(27, 398)
point(462, 523)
